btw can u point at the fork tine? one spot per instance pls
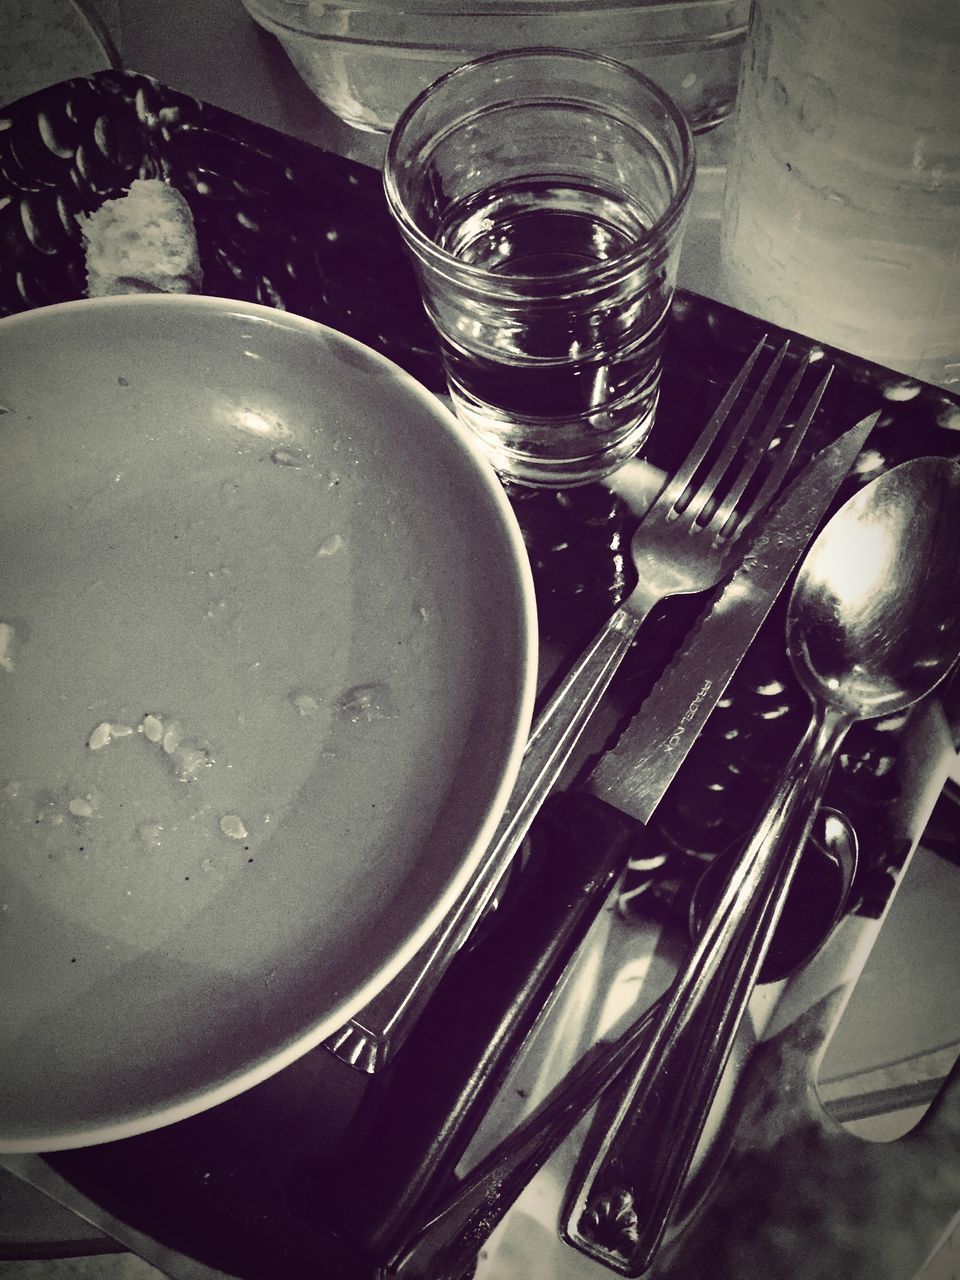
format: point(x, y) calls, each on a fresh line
point(755, 452)
point(785, 455)
point(678, 484)
point(696, 506)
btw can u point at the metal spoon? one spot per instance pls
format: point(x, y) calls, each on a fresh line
point(873, 625)
point(866, 646)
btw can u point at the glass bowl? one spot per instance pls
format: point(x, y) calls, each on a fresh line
point(366, 59)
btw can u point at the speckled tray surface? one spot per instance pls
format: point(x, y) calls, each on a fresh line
point(282, 223)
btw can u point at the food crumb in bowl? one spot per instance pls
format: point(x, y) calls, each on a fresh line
point(100, 736)
point(305, 703)
point(7, 638)
point(151, 834)
point(288, 456)
point(187, 755)
point(330, 547)
point(105, 732)
point(365, 703)
point(189, 758)
point(152, 728)
point(233, 827)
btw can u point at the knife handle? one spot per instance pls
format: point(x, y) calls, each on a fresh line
point(419, 1115)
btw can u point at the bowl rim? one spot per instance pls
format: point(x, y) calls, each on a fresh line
point(503, 8)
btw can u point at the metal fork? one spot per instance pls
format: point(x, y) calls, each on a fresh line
point(688, 540)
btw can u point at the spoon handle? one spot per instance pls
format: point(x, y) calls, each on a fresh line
point(632, 1169)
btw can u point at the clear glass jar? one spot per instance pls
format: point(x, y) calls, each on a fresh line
point(841, 214)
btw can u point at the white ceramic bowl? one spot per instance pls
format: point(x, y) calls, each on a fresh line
point(366, 59)
point(267, 666)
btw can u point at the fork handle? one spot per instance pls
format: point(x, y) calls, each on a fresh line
point(561, 723)
point(383, 1025)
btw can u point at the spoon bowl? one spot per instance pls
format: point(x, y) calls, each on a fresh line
point(874, 617)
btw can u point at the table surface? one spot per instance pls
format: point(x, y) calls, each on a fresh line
point(222, 57)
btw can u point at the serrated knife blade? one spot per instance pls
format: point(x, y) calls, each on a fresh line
point(634, 774)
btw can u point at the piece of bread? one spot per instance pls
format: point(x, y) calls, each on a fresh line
point(142, 242)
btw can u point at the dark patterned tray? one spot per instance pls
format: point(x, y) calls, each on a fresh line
point(282, 223)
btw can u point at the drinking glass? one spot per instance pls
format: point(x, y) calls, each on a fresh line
point(541, 194)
